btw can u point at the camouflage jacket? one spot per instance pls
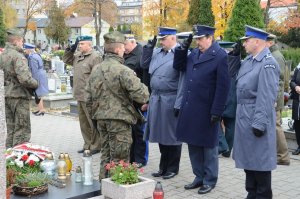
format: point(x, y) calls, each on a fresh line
point(83, 65)
point(102, 103)
point(17, 76)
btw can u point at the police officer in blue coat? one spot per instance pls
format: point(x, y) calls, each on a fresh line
point(254, 148)
point(164, 101)
point(206, 88)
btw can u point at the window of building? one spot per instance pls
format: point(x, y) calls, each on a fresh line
point(39, 31)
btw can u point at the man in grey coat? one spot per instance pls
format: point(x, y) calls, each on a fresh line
point(254, 147)
point(164, 101)
point(283, 157)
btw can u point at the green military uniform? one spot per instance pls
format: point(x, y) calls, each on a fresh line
point(114, 119)
point(17, 79)
point(83, 65)
point(282, 148)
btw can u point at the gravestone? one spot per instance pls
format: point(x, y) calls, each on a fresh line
point(2, 138)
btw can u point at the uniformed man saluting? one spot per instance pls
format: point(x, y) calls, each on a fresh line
point(254, 147)
point(17, 79)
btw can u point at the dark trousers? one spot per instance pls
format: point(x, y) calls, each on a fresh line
point(139, 147)
point(205, 164)
point(297, 131)
point(258, 184)
point(170, 158)
point(226, 139)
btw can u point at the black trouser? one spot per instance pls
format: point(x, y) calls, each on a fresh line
point(258, 184)
point(297, 131)
point(138, 150)
point(170, 158)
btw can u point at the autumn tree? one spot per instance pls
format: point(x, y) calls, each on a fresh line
point(244, 12)
point(172, 13)
point(34, 7)
point(201, 13)
point(2, 30)
point(99, 9)
point(9, 14)
point(222, 10)
point(57, 28)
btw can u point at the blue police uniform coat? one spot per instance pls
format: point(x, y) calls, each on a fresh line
point(36, 66)
point(206, 88)
point(257, 87)
point(165, 96)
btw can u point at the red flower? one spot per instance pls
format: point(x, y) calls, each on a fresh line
point(107, 167)
point(31, 163)
point(24, 157)
point(141, 170)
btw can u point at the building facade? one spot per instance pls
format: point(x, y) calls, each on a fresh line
point(130, 12)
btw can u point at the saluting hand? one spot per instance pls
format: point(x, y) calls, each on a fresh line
point(152, 43)
point(187, 42)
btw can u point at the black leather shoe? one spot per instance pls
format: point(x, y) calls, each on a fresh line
point(193, 185)
point(35, 112)
point(169, 175)
point(205, 189)
point(296, 152)
point(39, 113)
point(157, 174)
point(93, 152)
point(226, 154)
point(80, 151)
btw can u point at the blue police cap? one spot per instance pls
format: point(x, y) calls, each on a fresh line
point(183, 35)
point(85, 38)
point(29, 46)
point(202, 30)
point(165, 31)
point(254, 32)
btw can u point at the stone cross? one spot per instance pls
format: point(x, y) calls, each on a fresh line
point(2, 139)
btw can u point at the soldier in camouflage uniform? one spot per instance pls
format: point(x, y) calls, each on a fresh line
point(83, 62)
point(106, 101)
point(17, 81)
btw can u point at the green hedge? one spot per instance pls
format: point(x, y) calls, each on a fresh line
point(292, 54)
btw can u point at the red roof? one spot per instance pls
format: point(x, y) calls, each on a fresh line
point(278, 3)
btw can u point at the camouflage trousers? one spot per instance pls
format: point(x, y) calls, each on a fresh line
point(116, 140)
point(17, 113)
point(90, 135)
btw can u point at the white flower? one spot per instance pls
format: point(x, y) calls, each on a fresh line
point(33, 157)
point(19, 163)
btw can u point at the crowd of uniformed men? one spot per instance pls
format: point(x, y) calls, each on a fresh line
point(192, 92)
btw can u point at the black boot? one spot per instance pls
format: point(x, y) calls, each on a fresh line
point(297, 151)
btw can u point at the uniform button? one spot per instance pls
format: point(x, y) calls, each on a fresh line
point(191, 80)
point(186, 103)
point(189, 91)
point(194, 68)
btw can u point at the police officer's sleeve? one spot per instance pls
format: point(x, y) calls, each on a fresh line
point(266, 95)
point(222, 86)
point(137, 91)
point(33, 65)
point(23, 74)
point(68, 57)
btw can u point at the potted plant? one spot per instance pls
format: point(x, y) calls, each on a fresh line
point(125, 182)
point(31, 184)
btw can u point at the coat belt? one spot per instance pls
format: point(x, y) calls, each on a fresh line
point(162, 92)
point(246, 101)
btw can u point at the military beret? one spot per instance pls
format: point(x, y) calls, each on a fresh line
point(114, 37)
point(85, 38)
point(271, 37)
point(14, 32)
point(29, 46)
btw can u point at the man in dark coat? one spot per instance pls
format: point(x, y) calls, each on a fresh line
point(206, 88)
point(254, 148)
point(165, 98)
point(139, 147)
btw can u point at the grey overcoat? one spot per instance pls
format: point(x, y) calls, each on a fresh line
point(165, 96)
point(257, 87)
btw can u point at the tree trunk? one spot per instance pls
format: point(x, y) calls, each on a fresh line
point(2, 138)
point(266, 17)
point(96, 22)
point(99, 24)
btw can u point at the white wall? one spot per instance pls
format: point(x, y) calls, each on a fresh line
point(88, 29)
